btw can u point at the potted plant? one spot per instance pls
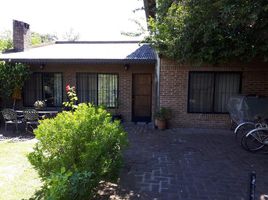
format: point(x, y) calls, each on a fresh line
point(38, 105)
point(161, 118)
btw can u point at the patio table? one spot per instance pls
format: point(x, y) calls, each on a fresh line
point(50, 113)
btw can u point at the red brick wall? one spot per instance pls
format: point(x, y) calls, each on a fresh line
point(125, 79)
point(174, 91)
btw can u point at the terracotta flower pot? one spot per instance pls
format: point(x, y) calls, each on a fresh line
point(161, 124)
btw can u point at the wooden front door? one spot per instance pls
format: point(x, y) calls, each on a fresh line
point(141, 97)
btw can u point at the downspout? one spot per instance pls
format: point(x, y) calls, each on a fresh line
point(157, 86)
point(157, 83)
point(157, 70)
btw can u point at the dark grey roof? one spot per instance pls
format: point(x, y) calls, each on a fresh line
point(86, 52)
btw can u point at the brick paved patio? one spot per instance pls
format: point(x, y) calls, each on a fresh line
point(188, 164)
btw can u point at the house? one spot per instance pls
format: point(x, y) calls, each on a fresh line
point(131, 79)
point(198, 95)
point(116, 74)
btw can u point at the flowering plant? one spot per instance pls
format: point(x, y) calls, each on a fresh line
point(68, 88)
point(72, 98)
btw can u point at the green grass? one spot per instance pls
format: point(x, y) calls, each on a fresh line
point(18, 180)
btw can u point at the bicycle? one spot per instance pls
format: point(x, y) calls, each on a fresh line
point(243, 128)
point(256, 139)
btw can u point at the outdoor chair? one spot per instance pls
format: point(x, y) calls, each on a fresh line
point(31, 117)
point(10, 116)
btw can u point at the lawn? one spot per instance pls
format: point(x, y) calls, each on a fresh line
point(18, 180)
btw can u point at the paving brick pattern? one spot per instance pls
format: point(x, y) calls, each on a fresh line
point(189, 164)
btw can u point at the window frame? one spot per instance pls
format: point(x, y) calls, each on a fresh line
point(42, 82)
point(214, 83)
point(97, 74)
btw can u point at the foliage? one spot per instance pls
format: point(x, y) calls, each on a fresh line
point(140, 29)
point(163, 114)
point(71, 35)
point(12, 77)
point(37, 38)
point(5, 41)
point(58, 184)
point(76, 150)
point(209, 31)
point(72, 97)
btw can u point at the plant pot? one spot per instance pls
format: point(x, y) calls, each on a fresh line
point(161, 124)
point(38, 108)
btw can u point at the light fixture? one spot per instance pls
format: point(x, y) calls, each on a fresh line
point(126, 67)
point(42, 66)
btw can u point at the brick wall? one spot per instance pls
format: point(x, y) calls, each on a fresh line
point(21, 35)
point(174, 91)
point(125, 79)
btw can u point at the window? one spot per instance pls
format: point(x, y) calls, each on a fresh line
point(209, 91)
point(99, 89)
point(43, 86)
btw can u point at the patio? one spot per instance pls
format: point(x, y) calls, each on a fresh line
point(183, 164)
point(187, 164)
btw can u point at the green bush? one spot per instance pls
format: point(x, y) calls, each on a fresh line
point(76, 150)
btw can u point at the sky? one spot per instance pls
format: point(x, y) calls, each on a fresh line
point(92, 19)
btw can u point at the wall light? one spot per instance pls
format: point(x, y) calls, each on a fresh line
point(42, 66)
point(126, 67)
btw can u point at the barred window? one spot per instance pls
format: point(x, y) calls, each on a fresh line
point(209, 92)
point(43, 86)
point(99, 89)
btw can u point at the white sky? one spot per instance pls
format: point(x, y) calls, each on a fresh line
point(92, 19)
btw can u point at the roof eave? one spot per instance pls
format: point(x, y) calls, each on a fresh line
point(80, 61)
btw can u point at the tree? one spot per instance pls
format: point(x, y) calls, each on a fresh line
point(211, 31)
point(37, 38)
point(5, 41)
point(12, 78)
point(71, 35)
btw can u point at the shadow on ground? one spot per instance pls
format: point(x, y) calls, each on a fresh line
point(12, 134)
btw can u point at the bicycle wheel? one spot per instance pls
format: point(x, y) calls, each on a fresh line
point(253, 141)
point(264, 149)
point(242, 129)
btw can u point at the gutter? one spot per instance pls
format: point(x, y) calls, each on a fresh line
point(80, 61)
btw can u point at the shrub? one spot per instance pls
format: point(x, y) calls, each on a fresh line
point(12, 78)
point(75, 150)
point(163, 114)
